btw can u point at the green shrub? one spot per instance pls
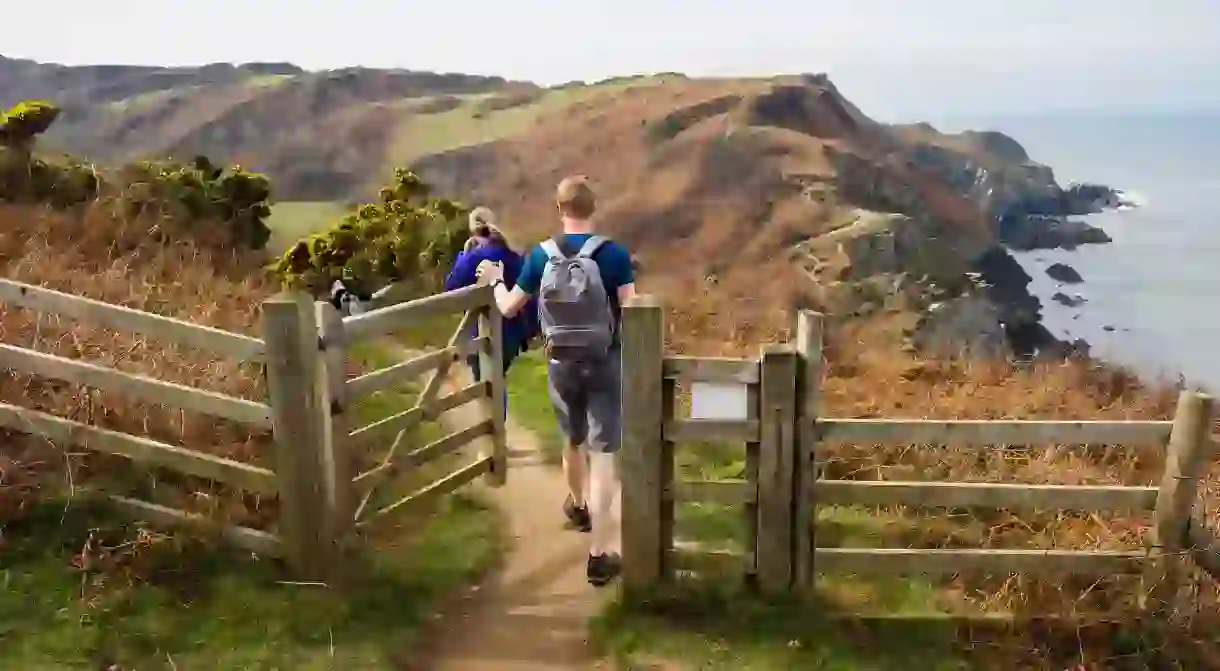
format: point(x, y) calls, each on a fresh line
point(196, 195)
point(25, 121)
point(201, 194)
point(407, 237)
point(25, 178)
point(63, 183)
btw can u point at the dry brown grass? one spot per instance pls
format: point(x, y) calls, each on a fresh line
point(96, 255)
point(868, 375)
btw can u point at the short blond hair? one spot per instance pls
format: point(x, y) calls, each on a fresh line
point(575, 197)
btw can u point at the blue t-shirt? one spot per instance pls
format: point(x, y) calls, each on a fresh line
point(612, 260)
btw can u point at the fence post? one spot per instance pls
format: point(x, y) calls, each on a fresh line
point(1190, 448)
point(642, 458)
point(750, 509)
point(776, 468)
point(291, 334)
point(491, 365)
point(338, 466)
point(809, 388)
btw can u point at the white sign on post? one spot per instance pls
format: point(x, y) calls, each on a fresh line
point(718, 400)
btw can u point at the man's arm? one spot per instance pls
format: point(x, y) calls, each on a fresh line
point(509, 301)
point(624, 275)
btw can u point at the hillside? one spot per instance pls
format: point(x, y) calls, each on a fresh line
point(321, 136)
point(735, 192)
point(742, 198)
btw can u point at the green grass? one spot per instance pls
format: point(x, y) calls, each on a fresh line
point(717, 625)
point(205, 609)
point(189, 606)
point(530, 405)
point(718, 622)
point(292, 220)
point(426, 134)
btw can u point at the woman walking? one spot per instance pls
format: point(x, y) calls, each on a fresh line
point(487, 243)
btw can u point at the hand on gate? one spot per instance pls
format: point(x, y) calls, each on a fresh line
point(489, 271)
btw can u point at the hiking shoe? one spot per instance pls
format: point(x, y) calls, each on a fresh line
point(578, 516)
point(604, 568)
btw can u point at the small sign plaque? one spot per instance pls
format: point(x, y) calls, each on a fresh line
point(718, 400)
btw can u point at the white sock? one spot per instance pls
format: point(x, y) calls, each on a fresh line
point(603, 488)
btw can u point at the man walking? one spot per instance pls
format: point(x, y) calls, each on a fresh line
point(581, 280)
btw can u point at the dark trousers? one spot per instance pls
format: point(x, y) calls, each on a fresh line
point(511, 350)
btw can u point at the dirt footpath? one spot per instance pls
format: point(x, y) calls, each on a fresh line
point(533, 612)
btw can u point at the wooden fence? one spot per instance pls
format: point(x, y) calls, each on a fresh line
point(784, 433)
point(303, 350)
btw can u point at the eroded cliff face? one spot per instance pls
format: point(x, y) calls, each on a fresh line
point(1020, 198)
point(926, 239)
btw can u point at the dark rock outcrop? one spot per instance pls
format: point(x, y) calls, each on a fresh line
point(1022, 199)
point(1062, 272)
point(1020, 312)
point(1070, 301)
point(1030, 232)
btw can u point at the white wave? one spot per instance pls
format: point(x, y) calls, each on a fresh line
point(1128, 200)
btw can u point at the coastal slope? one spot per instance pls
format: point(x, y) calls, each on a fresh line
point(745, 198)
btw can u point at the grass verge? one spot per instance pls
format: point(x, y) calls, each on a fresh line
point(82, 590)
point(718, 625)
point(529, 403)
point(292, 220)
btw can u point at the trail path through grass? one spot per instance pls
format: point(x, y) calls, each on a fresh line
point(532, 613)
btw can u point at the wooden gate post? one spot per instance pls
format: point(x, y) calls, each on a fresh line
point(491, 364)
point(644, 492)
point(338, 465)
point(809, 388)
point(1190, 448)
point(290, 331)
point(776, 468)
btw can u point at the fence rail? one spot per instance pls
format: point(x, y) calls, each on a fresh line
point(395, 317)
point(218, 341)
point(979, 433)
point(137, 448)
point(785, 437)
point(143, 449)
point(980, 494)
point(304, 349)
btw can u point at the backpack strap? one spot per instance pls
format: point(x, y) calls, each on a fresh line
point(553, 250)
point(592, 245)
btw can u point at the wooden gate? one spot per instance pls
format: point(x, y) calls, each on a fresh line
point(369, 460)
point(786, 439)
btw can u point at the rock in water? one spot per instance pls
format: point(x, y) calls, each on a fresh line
point(1048, 232)
point(1062, 272)
point(1075, 300)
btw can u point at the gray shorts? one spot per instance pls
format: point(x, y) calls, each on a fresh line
point(588, 401)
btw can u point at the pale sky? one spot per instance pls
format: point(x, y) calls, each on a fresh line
point(895, 58)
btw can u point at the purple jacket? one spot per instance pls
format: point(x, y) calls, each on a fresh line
point(517, 329)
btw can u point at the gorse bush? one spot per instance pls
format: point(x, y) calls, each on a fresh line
point(409, 236)
point(198, 193)
point(26, 121)
point(26, 178)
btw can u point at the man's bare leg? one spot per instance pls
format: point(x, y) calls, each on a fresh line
point(576, 470)
point(603, 486)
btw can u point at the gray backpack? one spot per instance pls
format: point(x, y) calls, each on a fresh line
point(574, 309)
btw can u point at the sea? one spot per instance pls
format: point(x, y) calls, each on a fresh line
point(1153, 295)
